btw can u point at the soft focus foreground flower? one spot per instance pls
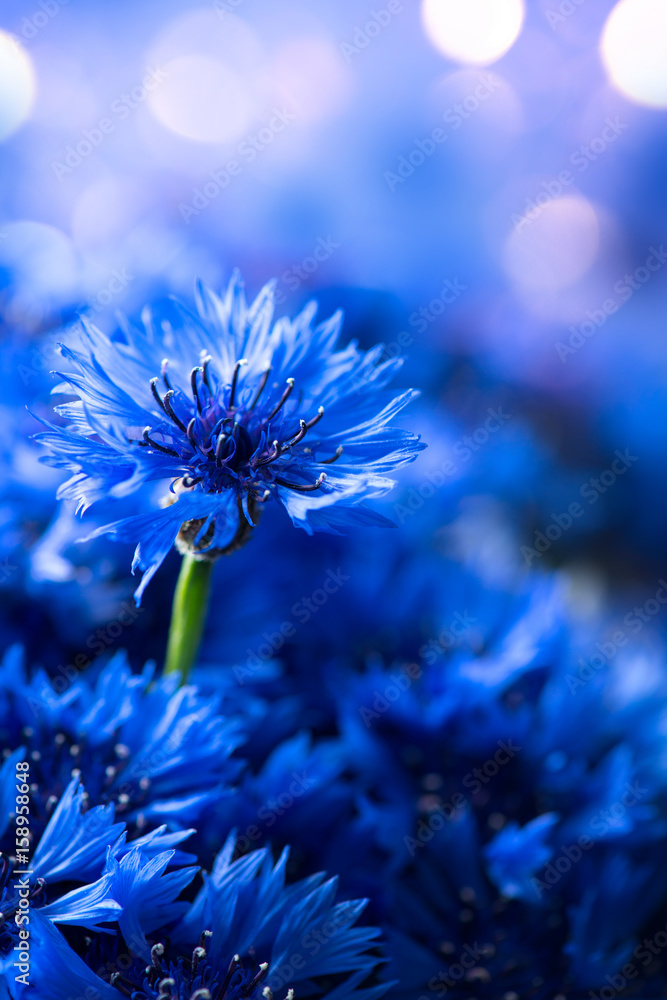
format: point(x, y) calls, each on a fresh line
point(233, 410)
point(157, 752)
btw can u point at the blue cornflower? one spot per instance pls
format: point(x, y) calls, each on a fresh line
point(156, 752)
point(232, 410)
point(75, 843)
point(245, 936)
point(82, 874)
point(136, 893)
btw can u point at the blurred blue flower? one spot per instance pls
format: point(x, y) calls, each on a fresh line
point(224, 404)
point(157, 752)
point(537, 813)
point(75, 841)
point(453, 783)
point(295, 798)
point(26, 497)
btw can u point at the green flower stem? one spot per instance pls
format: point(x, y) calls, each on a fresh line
point(188, 615)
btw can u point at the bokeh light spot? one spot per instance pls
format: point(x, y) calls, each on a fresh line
point(634, 50)
point(42, 268)
point(473, 31)
point(17, 85)
point(202, 99)
point(309, 74)
point(555, 247)
point(106, 210)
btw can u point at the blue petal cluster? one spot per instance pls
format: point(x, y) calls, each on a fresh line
point(229, 409)
point(500, 806)
point(157, 752)
point(245, 936)
point(495, 796)
point(482, 772)
point(242, 935)
point(77, 878)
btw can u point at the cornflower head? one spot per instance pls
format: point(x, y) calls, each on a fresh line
point(75, 870)
point(228, 410)
point(246, 935)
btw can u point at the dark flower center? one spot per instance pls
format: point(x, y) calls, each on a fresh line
point(227, 439)
point(192, 979)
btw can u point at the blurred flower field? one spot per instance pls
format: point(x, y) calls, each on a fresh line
point(305, 691)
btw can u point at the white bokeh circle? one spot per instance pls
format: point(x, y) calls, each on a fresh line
point(554, 246)
point(473, 31)
point(202, 99)
point(17, 84)
point(634, 50)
